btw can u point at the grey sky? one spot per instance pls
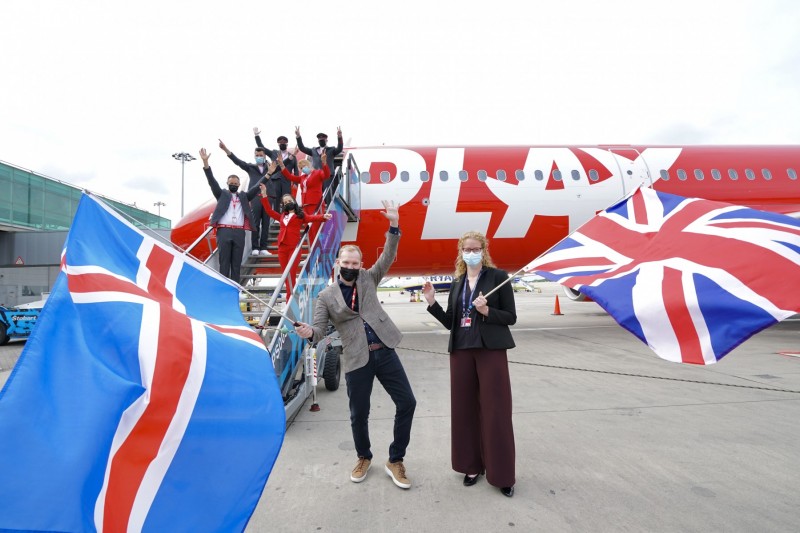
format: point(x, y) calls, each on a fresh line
point(100, 94)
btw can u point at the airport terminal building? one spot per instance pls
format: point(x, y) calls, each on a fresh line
point(35, 214)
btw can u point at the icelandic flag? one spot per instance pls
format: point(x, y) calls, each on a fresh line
point(142, 401)
point(691, 278)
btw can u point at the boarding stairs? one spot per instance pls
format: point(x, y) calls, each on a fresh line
point(263, 306)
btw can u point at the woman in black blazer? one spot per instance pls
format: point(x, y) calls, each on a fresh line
point(480, 389)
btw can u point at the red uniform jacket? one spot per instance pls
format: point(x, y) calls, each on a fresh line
point(289, 234)
point(310, 187)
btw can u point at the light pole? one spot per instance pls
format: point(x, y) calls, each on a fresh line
point(183, 157)
point(158, 205)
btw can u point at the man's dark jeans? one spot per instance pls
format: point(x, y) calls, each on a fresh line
point(384, 365)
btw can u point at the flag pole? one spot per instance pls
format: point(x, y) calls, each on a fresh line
point(293, 321)
point(512, 276)
point(624, 197)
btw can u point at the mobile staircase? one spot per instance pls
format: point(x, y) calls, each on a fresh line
point(295, 359)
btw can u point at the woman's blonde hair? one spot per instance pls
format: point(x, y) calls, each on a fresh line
point(461, 266)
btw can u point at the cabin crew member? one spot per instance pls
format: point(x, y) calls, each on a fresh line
point(277, 184)
point(290, 219)
point(369, 338)
point(482, 435)
point(231, 218)
point(288, 158)
point(309, 189)
point(256, 171)
point(316, 156)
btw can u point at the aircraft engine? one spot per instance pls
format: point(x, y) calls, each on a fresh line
point(575, 296)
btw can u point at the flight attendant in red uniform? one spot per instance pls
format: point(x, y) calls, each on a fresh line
point(309, 188)
point(291, 221)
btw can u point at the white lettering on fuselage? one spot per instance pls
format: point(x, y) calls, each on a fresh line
point(579, 198)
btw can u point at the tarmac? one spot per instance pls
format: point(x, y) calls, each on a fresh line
point(608, 436)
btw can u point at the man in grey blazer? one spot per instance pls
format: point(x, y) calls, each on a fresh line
point(369, 338)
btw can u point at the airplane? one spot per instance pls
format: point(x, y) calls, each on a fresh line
point(527, 198)
point(415, 283)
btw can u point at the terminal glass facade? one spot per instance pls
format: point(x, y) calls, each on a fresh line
point(30, 200)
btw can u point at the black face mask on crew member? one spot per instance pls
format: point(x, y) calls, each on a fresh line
point(322, 143)
point(289, 206)
point(283, 146)
point(348, 274)
point(233, 188)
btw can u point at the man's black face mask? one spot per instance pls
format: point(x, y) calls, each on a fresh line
point(348, 274)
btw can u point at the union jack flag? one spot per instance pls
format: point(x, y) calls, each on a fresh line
point(691, 278)
point(142, 401)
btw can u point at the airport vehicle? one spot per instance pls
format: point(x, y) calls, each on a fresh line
point(525, 199)
point(17, 323)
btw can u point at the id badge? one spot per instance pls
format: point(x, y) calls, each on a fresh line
point(466, 322)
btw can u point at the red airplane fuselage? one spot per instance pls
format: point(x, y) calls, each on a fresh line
point(525, 199)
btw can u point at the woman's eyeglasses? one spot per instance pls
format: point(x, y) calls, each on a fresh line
point(471, 250)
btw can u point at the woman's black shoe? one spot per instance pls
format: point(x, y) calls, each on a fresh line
point(507, 491)
point(471, 480)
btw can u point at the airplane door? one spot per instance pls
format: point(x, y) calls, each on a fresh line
point(632, 167)
point(352, 188)
point(351, 194)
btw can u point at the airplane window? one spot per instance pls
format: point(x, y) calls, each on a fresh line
point(716, 174)
point(385, 176)
point(766, 173)
point(501, 175)
point(424, 176)
point(792, 174)
point(365, 177)
point(749, 173)
point(404, 175)
point(482, 175)
point(681, 174)
point(538, 174)
point(664, 174)
point(698, 174)
point(462, 175)
point(520, 175)
point(732, 174)
point(443, 175)
point(576, 175)
point(557, 175)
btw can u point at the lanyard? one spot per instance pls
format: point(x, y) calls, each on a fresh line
point(353, 299)
point(464, 309)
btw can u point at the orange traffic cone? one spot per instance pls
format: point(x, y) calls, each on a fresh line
point(557, 310)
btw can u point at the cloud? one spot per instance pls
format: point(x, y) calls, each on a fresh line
point(150, 184)
point(106, 105)
point(682, 133)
